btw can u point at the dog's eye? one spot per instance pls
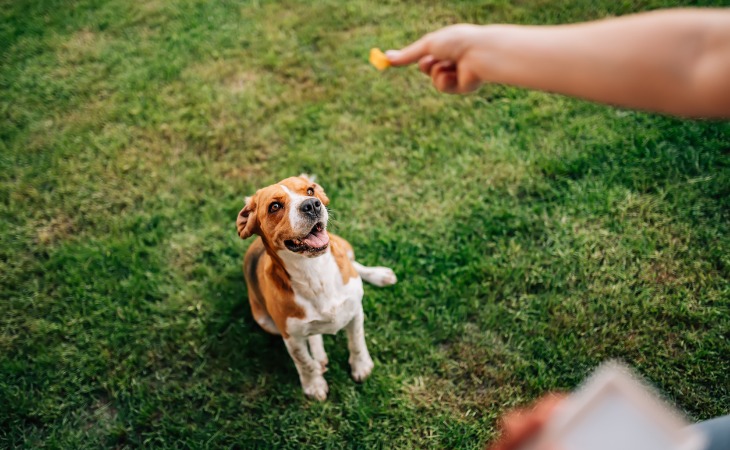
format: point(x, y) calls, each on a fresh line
point(274, 207)
point(310, 191)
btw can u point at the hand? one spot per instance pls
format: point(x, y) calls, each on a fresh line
point(521, 425)
point(454, 57)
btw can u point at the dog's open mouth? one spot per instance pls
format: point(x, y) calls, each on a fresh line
point(316, 241)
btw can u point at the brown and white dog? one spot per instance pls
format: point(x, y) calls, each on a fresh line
point(302, 280)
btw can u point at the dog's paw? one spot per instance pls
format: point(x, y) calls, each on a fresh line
point(316, 389)
point(361, 367)
point(382, 276)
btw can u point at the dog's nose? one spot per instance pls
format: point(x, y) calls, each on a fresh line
point(311, 207)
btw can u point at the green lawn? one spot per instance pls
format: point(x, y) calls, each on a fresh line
point(534, 236)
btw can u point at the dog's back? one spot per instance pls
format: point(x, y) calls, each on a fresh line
point(252, 267)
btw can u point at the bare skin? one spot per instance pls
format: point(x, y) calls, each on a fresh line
point(518, 426)
point(673, 61)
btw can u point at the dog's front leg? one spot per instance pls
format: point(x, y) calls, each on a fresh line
point(310, 371)
point(360, 362)
point(316, 349)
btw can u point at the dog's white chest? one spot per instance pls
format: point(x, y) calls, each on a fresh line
point(329, 314)
point(328, 303)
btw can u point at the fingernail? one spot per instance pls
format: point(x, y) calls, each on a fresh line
point(392, 54)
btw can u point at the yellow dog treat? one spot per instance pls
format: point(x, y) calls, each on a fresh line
point(378, 59)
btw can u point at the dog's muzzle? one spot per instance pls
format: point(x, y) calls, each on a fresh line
point(311, 208)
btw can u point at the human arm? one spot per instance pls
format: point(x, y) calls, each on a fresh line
point(671, 61)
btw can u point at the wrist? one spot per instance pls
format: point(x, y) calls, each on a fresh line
point(490, 51)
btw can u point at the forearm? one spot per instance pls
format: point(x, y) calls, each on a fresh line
point(675, 61)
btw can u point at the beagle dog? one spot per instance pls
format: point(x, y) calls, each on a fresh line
point(303, 281)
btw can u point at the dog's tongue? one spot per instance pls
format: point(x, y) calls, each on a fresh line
point(317, 239)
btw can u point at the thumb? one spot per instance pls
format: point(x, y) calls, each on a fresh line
point(410, 54)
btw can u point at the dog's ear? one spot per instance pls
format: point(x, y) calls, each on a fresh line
point(246, 222)
point(318, 191)
point(310, 178)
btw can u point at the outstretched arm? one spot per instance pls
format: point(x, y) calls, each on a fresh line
point(671, 61)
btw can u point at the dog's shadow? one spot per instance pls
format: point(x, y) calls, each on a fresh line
point(235, 341)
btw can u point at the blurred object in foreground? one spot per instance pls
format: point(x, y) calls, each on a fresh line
point(615, 410)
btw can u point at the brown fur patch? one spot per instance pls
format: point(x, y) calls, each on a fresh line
point(269, 290)
point(256, 218)
point(341, 250)
point(300, 185)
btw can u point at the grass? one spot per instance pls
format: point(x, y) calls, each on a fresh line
point(534, 236)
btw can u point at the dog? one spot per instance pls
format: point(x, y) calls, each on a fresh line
point(303, 281)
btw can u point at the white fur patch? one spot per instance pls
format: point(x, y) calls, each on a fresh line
point(328, 304)
point(299, 224)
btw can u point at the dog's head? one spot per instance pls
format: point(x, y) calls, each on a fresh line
point(289, 215)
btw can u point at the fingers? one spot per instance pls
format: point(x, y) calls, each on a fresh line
point(447, 77)
point(521, 425)
point(409, 54)
point(443, 76)
point(548, 403)
point(443, 73)
point(438, 59)
point(467, 80)
point(426, 63)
